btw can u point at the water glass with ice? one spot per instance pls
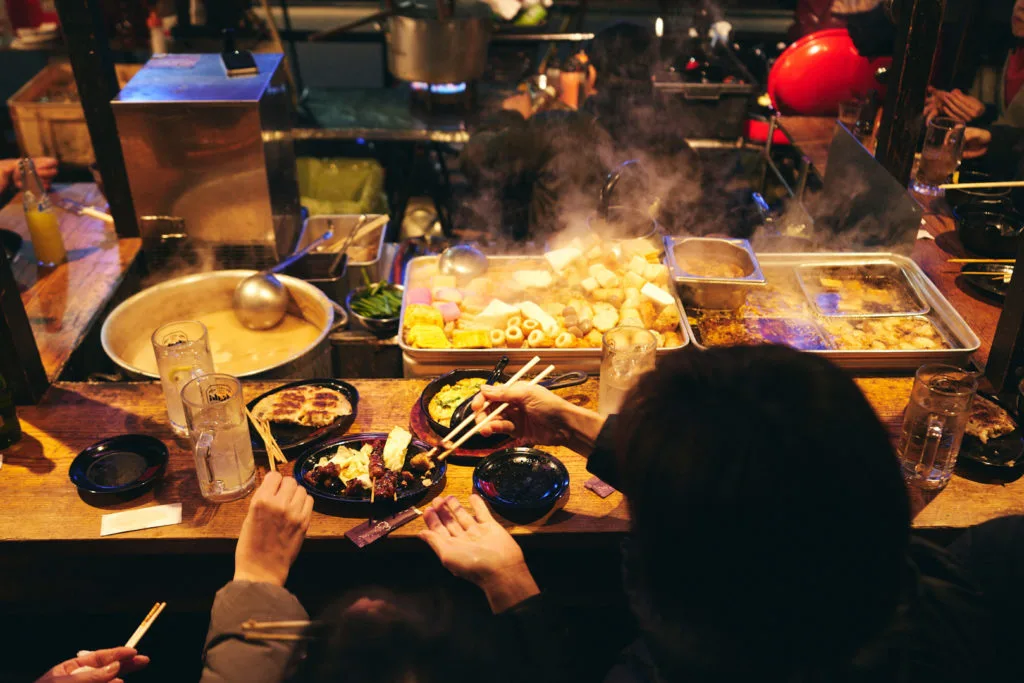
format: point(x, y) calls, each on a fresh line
point(219, 427)
point(626, 353)
point(182, 353)
point(940, 155)
point(933, 425)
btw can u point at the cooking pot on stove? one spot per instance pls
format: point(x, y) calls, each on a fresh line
point(431, 50)
point(196, 295)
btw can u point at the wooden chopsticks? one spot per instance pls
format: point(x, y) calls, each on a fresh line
point(469, 420)
point(982, 186)
point(497, 411)
point(146, 623)
point(1010, 261)
point(257, 630)
point(274, 453)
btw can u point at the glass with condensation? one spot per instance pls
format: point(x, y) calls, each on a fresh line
point(219, 427)
point(626, 353)
point(940, 155)
point(182, 352)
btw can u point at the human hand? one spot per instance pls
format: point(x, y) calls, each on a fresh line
point(976, 142)
point(476, 548)
point(101, 666)
point(273, 530)
point(534, 413)
point(959, 105)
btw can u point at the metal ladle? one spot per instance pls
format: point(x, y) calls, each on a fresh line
point(261, 300)
point(464, 261)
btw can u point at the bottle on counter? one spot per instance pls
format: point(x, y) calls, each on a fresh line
point(570, 83)
point(41, 217)
point(10, 428)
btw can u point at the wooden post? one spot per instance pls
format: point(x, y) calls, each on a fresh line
point(917, 35)
point(19, 356)
point(89, 50)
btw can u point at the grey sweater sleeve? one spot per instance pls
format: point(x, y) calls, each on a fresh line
point(228, 656)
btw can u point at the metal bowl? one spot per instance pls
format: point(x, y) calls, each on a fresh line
point(382, 327)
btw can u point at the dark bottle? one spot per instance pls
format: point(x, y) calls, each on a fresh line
point(10, 428)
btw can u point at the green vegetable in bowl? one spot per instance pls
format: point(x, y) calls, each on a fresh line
point(380, 300)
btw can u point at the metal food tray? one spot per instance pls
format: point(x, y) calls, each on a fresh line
point(947, 320)
point(428, 362)
point(921, 307)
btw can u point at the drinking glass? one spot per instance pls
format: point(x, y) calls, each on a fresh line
point(849, 113)
point(626, 353)
point(182, 353)
point(934, 423)
point(940, 155)
point(219, 428)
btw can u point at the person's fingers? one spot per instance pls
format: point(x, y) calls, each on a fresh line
point(965, 102)
point(478, 403)
point(958, 110)
point(136, 663)
point(433, 522)
point(103, 674)
point(307, 511)
point(298, 499)
point(447, 517)
point(99, 658)
point(284, 494)
point(462, 515)
point(271, 484)
point(480, 509)
point(497, 426)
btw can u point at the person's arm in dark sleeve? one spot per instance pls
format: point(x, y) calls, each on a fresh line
point(540, 635)
point(227, 655)
point(601, 461)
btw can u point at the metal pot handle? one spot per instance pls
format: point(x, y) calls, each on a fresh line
point(340, 317)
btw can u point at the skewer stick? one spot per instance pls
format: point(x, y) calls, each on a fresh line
point(146, 623)
point(982, 260)
point(498, 411)
point(982, 186)
point(274, 452)
point(986, 272)
point(469, 420)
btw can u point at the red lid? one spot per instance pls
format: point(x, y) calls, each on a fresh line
point(814, 74)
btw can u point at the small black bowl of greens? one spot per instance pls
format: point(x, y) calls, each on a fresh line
point(376, 306)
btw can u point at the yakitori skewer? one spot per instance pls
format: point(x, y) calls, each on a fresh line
point(1010, 261)
point(497, 411)
point(982, 186)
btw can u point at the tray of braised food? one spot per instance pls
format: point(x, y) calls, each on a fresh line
point(865, 311)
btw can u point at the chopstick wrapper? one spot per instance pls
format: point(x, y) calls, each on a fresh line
point(371, 530)
point(599, 487)
point(143, 518)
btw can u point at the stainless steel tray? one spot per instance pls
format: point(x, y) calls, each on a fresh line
point(918, 306)
point(962, 338)
point(425, 362)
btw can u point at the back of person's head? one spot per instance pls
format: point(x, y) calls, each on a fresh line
point(378, 636)
point(770, 520)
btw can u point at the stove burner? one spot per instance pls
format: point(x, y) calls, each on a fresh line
point(442, 98)
point(440, 88)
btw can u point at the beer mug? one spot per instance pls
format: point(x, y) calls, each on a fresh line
point(219, 428)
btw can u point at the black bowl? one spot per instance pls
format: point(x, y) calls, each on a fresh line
point(989, 233)
point(994, 197)
point(292, 437)
point(130, 462)
point(521, 484)
point(305, 462)
point(475, 442)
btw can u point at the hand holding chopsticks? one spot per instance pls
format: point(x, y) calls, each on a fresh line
point(491, 416)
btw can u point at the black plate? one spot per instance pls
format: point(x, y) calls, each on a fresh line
point(305, 462)
point(1004, 452)
point(521, 484)
point(993, 286)
point(563, 381)
point(119, 464)
point(292, 437)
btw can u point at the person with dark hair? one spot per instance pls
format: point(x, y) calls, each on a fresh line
point(770, 526)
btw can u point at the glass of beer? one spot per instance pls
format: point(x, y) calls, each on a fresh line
point(626, 353)
point(940, 155)
point(934, 423)
point(182, 353)
point(219, 427)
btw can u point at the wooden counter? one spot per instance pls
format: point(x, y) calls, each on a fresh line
point(63, 302)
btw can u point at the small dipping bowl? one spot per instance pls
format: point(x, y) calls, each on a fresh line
point(383, 328)
point(130, 462)
point(521, 484)
point(989, 233)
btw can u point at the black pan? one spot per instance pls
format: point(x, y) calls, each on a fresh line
point(1005, 451)
point(292, 437)
point(569, 379)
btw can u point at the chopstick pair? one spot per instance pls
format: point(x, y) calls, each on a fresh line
point(146, 623)
point(492, 415)
point(264, 630)
point(469, 420)
point(982, 260)
point(274, 453)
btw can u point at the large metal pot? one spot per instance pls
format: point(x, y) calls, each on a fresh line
point(438, 51)
point(184, 298)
